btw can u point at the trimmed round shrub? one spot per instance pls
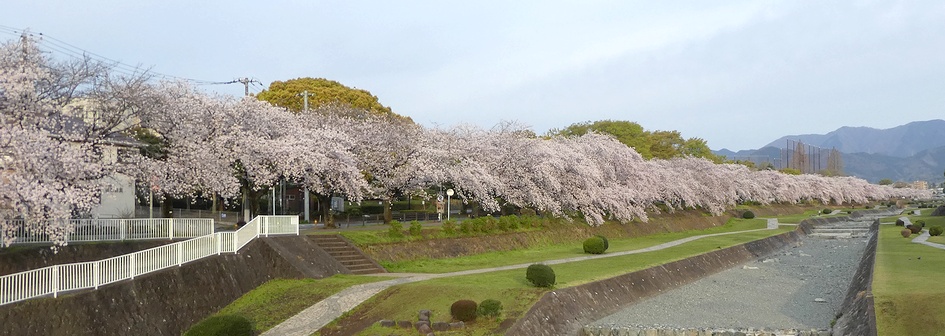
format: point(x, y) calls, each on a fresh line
point(490, 308)
point(606, 242)
point(826, 211)
point(905, 233)
point(936, 230)
point(915, 228)
point(594, 245)
point(540, 275)
point(748, 214)
point(899, 222)
point(920, 223)
point(464, 310)
point(222, 325)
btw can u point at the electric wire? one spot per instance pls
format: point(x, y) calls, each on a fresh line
point(52, 44)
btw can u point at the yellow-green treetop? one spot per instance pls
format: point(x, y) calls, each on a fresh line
point(322, 92)
point(655, 144)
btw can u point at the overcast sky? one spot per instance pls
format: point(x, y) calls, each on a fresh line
point(738, 74)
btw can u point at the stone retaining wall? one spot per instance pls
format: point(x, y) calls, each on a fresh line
point(565, 311)
point(857, 315)
point(162, 303)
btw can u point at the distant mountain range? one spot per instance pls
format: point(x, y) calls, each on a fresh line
point(911, 152)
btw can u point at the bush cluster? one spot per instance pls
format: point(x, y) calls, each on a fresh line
point(223, 325)
point(920, 223)
point(748, 214)
point(464, 310)
point(899, 222)
point(540, 275)
point(936, 230)
point(594, 245)
point(826, 211)
point(490, 308)
point(396, 229)
point(415, 228)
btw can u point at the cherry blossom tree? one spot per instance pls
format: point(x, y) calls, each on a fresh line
point(56, 119)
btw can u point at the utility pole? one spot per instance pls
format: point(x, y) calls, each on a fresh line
point(308, 216)
point(246, 81)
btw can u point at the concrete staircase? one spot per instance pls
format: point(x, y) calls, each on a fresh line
point(348, 255)
point(842, 230)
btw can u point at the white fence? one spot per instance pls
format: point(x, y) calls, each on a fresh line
point(53, 280)
point(119, 229)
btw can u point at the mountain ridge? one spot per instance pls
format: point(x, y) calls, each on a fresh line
point(910, 152)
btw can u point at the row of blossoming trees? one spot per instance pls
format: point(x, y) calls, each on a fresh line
point(232, 146)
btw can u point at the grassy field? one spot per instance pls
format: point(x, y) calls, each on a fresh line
point(795, 219)
point(907, 284)
point(560, 251)
point(510, 287)
point(279, 299)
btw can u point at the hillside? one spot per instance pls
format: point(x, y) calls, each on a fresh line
point(910, 152)
point(900, 141)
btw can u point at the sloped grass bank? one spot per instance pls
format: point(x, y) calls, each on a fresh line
point(510, 287)
point(277, 300)
point(434, 244)
point(556, 251)
point(907, 285)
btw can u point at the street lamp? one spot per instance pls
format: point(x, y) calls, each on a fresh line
point(449, 193)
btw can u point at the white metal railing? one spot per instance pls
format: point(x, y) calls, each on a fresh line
point(119, 229)
point(53, 280)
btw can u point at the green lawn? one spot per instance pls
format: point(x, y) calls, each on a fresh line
point(795, 219)
point(510, 287)
point(560, 251)
point(937, 239)
point(279, 299)
point(907, 285)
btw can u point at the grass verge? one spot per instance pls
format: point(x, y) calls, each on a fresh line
point(277, 300)
point(558, 251)
point(908, 297)
point(510, 287)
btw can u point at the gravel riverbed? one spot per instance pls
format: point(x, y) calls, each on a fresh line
point(801, 286)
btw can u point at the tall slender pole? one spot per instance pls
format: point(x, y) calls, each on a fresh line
point(308, 216)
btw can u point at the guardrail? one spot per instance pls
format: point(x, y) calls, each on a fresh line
point(53, 280)
point(120, 229)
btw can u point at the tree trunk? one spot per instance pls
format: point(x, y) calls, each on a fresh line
point(324, 204)
point(167, 205)
point(388, 216)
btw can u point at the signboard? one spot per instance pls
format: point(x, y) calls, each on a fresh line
point(338, 204)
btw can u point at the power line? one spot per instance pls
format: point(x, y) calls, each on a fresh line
point(52, 44)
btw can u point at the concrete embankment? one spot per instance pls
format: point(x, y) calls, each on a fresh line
point(166, 302)
point(565, 311)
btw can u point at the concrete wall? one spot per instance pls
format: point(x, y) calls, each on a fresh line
point(565, 311)
point(857, 315)
point(164, 303)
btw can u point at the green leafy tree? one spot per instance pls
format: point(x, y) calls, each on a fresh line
point(322, 91)
point(656, 144)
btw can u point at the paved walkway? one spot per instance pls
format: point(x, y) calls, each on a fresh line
point(320, 314)
point(922, 239)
